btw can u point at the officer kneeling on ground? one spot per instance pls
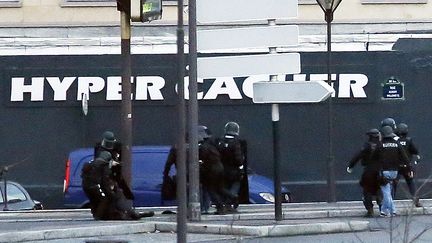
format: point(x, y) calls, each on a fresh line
point(107, 200)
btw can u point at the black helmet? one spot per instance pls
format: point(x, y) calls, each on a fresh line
point(388, 122)
point(108, 140)
point(232, 128)
point(373, 133)
point(203, 133)
point(402, 129)
point(387, 132)
point(105, 155)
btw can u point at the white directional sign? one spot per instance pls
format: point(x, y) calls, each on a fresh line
point(240, 66)
point(291, 91)
point(212, 11)
point(252, 37)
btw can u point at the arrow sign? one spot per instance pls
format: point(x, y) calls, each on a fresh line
point(241, 66)
point(252, 37)
point(291, 91)
point(212, 11)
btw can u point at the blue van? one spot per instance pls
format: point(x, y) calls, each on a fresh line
point(147, 166)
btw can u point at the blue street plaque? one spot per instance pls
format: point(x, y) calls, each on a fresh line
point(393, 90)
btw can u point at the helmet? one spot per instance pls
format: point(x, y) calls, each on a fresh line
point(105, 155)
point(402, 129)
point(387, 132)
point(108, 140)
point(388, 122)
point(373, 132)
point(203, 133)
point(232, 128)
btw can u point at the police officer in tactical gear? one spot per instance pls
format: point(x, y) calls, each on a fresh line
point(413, 154)
point(389, 122)
point(391, 156)
point(211, 171)
point(107, 202)
point(369, 179)
point(96, 184)
point(121, 196)
point(233, 154)
point(110, 144)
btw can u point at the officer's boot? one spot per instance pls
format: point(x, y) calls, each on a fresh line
point(220, 209)
point(370, 213)
point(417, 202)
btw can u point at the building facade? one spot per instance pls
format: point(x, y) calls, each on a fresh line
point(35, 27)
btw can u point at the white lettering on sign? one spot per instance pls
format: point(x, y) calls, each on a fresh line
point(60, 87)
point(149, 86)
point(152, 87)
point(36, 89)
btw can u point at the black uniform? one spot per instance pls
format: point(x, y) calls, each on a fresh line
point(391, 155)
point(211, 174)
point(102, 190)
point(369, 179)
point(233, 158)
point(408, 171)
point(116, 171)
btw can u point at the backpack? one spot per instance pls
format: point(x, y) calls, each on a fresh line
point(90, 174)
point(230, 152)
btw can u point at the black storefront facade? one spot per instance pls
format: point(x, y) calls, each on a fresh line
point(42, 118)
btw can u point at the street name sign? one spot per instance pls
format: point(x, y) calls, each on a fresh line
point(213, 11)
point(246, 65)
point(393, 89)
point(291, 91)
point(252, 37)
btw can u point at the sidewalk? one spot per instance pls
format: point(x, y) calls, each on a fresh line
point(252, 220)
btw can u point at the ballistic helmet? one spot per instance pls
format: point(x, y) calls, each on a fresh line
point(108, 140)
point(232, 128)
point(402, 129)
point(389, 122)
point(105, 155)
point(373, 133)
point(203, 133)
point(387, 132)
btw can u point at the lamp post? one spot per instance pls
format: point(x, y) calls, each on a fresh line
point(329, 6)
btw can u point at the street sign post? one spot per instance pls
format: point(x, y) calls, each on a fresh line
point(211, 11)
point(272, 36)
point(240, 66)
point(291, 91)
point(251, 37)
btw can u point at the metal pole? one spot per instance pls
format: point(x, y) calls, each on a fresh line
point(194, 183)
point(3, 173)
point(276, 159)
point(126, 105)
point(181, 147)
point(331, 182)
point(276, 146)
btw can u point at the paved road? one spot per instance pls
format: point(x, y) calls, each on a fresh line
point(254, 222)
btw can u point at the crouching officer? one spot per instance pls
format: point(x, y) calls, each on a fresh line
point(110, 196)
point(369, 179)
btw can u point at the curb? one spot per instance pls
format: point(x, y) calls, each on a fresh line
point(269, 230)
point(77, 232)
point(149, 227)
